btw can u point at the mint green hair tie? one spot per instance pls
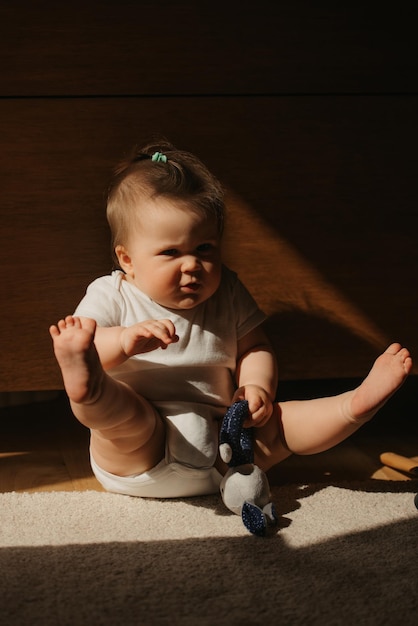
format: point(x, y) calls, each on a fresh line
point(159, 157)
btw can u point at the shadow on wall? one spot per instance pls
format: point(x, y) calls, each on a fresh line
point(316, 342)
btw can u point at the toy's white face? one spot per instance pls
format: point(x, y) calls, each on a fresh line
point(245, 483)
point(173, 255)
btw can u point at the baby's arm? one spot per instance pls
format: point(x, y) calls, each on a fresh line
point(256, 376)
point(117, 343)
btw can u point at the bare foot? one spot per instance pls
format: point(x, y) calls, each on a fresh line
point(77, 357)
point(388, 373)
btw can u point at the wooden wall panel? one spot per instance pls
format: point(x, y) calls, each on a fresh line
point(322, 227)
point(148, 47)
point(306, 111)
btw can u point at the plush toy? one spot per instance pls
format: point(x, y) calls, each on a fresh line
point(245, 488)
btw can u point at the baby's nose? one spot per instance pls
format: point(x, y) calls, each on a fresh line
point(190, 263)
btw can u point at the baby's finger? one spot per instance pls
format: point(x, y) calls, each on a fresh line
point(260, 416)
point(238, 396)
point(170, 329)
point(262, 421)
point(253, 420)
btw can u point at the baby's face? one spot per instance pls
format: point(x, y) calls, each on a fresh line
point(173, 255)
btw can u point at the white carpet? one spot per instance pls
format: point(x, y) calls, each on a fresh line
point(341, 555)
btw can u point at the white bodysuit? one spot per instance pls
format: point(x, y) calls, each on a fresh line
point(191, 383)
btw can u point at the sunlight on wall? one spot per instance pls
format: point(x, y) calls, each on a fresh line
point(281, 279)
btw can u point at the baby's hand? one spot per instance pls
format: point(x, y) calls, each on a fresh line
point(147, 336)
point(260, 406)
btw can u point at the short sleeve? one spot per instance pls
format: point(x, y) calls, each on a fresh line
point(248, 315)
point(103, 301)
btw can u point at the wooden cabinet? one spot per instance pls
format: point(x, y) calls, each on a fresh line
point(307, 115)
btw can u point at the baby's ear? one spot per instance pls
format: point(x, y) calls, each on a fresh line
point(124, 259)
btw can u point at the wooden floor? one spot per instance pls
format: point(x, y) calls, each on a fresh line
point(44, 448)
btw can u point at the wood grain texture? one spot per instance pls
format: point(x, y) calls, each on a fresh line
point(218, 47)
point(322, 225)
point(307, 113)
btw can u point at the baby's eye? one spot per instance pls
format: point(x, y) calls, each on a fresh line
point(169, 252)
point(204, 248)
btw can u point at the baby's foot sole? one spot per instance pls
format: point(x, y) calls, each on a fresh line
point(77, 357)
point(388, 373)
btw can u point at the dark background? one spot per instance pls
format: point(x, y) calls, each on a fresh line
point(306, 111)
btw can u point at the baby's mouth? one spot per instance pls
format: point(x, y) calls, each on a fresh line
point(191, 287)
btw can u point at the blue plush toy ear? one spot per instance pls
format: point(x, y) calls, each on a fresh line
point(258, 520)
point(236, 442)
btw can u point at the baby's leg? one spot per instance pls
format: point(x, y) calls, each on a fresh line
point(127, 434)
point(311, 426)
